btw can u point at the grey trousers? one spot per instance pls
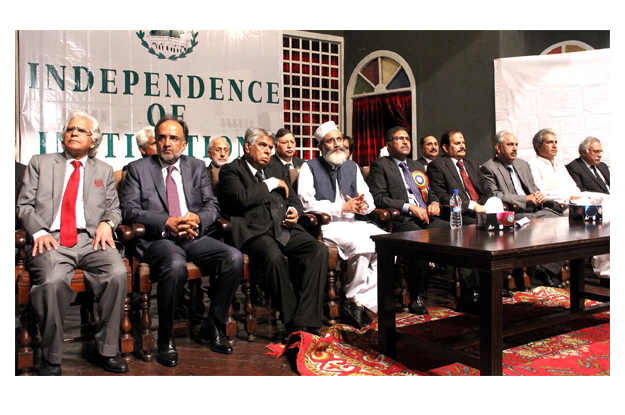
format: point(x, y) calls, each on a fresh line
point(51, 273)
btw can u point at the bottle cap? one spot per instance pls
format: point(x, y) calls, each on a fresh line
point(455, 191)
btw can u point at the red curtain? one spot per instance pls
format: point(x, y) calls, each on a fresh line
point(372, 117)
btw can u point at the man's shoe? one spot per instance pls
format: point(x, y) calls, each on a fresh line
point(546, 279)
point(469, 302)
point(351, 314)
point(48, 369)
point(216, 340)
point(505, 293)
point(416, 306)
point(167, 354)
point(113, 364)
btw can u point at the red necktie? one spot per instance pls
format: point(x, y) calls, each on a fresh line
point(69, 235)
point(173, 200)
point(467, 182)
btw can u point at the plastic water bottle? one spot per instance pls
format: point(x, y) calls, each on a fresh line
point(455, 203)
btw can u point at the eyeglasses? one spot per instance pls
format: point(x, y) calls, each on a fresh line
point(81, 131)
point(596, 152)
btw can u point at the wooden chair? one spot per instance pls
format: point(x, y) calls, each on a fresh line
point(28, 325)
point(313, 222)
point(143, 285)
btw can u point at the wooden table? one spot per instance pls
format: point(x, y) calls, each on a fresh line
point(492, 253)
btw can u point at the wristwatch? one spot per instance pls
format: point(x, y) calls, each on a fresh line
point(109, 223)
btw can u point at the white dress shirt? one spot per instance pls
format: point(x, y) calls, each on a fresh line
point(81, 222)
point(177, 176)
point(553, 180)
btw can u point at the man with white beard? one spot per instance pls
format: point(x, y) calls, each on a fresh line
point(334, 185)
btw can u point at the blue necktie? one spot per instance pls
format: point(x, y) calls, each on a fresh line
point(412, 185)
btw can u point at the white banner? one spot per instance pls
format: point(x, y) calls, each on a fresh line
point(568, 93)
point(220, 82)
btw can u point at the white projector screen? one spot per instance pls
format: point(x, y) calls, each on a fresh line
point(568, 93)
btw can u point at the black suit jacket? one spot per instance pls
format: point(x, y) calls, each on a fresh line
point(246, 202)
point(425, 163)
point(585, 180)
point(297, 162)
point(145, 196)
point(444, 178)
point(387, 185)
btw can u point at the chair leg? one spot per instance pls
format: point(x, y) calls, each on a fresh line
point(456, 289)
point(250, 319)
point(404, 295)
point(126, 344)
point(231, 326)
point(508, 281)
point(525, 279)
point(331, 307)
point(25, 360)
point(147, 337)
point(25, 353)
point(566, 273)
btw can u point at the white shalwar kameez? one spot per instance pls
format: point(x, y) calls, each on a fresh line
point(351, 237)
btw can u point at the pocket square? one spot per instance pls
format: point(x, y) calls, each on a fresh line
point(98, 183)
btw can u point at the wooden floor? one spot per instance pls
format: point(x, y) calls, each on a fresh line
point(248, 359)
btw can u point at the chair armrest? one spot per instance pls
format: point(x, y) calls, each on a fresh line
point(395, 214)
point(379, 215)
point(307, 220)
point(138, 230)
point(20, 239)
point(124, 233)
point(223, 225)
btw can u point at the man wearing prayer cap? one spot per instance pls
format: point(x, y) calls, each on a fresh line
point(333, 185)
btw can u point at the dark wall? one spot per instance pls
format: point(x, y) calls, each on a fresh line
point(454, 72)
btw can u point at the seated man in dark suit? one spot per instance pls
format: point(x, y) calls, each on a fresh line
point(68, 207)
point(172, 196)
point(450, 171)
point(588, 171)
point(260, 203)
point(285, 150)
point(429, 150)
point(392, 185)
point(453, 170)
point(510, 179)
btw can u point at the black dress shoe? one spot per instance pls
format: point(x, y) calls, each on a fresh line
point(351, 314)
point(506, 293)
point(214, 339)
point(48, 369)
point(469, 302)
point(546, 279)
point(416, 306)
point(167, 354)
point(113, 364)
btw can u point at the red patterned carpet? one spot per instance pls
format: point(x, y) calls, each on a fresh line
point(580, 347)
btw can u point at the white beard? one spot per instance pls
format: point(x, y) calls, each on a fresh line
point(335, 157)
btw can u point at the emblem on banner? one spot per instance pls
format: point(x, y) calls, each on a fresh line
point(168, 44)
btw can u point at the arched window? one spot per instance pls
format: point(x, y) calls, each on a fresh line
point(567, 46)
point(380, 95)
